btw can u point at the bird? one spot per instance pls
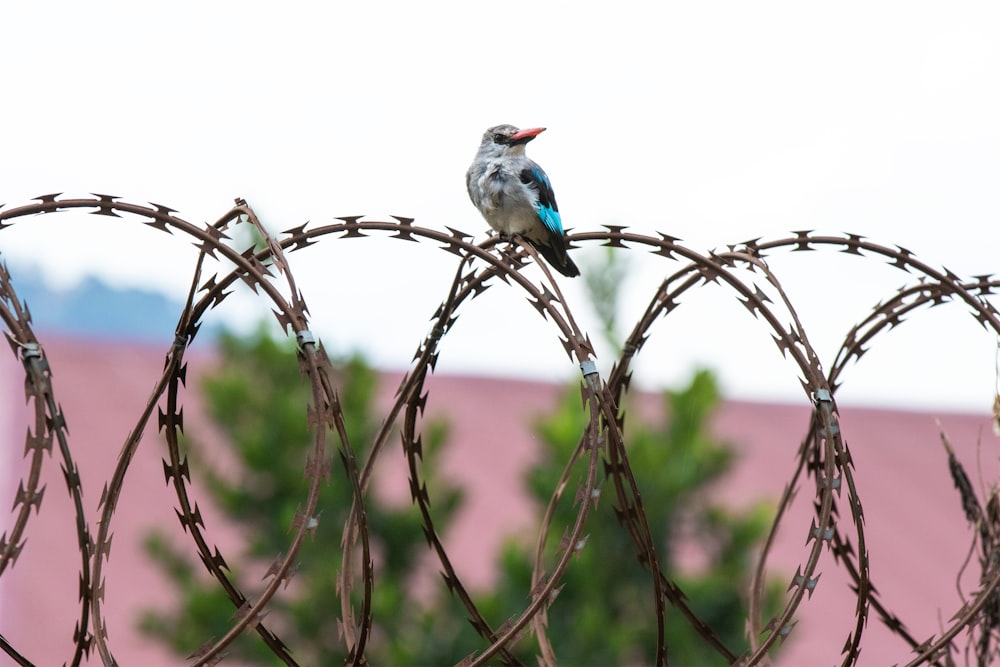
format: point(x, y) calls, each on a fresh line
point(515, 195)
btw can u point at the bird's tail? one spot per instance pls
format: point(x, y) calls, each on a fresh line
point(558, 259)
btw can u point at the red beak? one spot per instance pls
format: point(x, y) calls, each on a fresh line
point(527, 135)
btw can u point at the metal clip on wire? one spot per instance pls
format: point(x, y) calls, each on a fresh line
point(822, 396)
point(30, 351)
point(305, 337)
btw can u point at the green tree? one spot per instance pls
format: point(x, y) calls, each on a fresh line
point(258, 398)
point(605, 612)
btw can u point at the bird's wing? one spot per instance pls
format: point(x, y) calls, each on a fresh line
point(547, 209)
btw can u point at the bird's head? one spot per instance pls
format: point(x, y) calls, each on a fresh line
point(507, 139)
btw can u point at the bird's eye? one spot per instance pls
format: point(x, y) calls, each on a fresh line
point(499, 138)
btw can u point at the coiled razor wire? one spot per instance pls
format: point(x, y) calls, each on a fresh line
point(824, 455)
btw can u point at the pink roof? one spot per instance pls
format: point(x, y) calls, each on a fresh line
point(916, 532)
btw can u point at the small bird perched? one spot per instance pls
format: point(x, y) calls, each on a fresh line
point(514, 194)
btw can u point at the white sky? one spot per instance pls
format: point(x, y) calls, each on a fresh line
point(712, 121)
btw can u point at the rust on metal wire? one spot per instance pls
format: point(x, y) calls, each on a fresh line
point(836, 525)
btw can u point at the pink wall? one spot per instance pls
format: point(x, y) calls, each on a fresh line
point(916, 532)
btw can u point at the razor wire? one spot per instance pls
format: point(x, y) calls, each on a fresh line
point(824, 456)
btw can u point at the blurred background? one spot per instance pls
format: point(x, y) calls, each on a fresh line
point(714, 122)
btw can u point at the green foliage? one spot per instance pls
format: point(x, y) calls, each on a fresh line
point(603, 278)
point(604, 614)
point(259, 399)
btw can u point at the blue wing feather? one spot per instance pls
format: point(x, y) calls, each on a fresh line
point(548, 211)
point(550, 218)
